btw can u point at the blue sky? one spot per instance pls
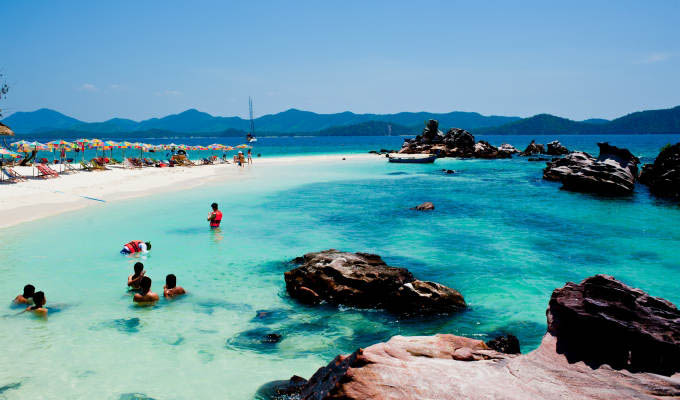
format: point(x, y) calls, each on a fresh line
point(139, 59)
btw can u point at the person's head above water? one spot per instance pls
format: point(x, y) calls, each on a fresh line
point(148, 246)
point(214, 206)
point(170, 281)
point(29, 291)
point(39, 299)
point(139, 267)
point(145, 284)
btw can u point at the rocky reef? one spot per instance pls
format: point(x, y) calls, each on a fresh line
point(455, 143)
point(555, 148)
point(365, 281)
point(613, 172)
point(605, 341)
point(533, 149)
point(663, 176)
point(427, 206)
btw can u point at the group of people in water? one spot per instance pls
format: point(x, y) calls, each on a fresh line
point(138, 282)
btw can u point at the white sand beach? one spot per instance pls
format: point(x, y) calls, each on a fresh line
point(37, 198)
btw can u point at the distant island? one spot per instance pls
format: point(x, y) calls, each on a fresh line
point(46, 122)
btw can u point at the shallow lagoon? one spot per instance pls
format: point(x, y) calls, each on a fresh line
point(501, 235)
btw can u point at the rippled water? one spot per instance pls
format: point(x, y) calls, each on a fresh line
point(499, 234)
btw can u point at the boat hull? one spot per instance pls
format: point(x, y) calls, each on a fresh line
point(412, 160)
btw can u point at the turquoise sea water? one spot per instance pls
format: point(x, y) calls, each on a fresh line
point(500, 234)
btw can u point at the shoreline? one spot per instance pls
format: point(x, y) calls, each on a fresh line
point(29, 201)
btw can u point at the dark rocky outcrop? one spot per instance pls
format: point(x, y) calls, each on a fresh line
point(455, 143)
point(448, 171)
point(508, 344)
point(427, 206)
point(603, 321)
point(663, 176)
point(282, 390)
point(365, 281)
point(535, 159)
point(614, 172)
point(555, 148)
point(605, 341)
point(508, 148)
point(532, 149)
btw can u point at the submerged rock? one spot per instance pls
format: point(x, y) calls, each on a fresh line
point(508, 344)
point(532, 149)
point(448, 171)
point(555, 148)
point(364, 280)
point(534, 159)
point(281, 390)
point(623, 327)
point(258, 339)
point(614, 172)
point(427, 206)
point(663, 176)
point(456, 143)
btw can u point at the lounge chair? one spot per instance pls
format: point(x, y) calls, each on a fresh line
point(14, 174)
point(69, 168)
point(134, 163)
point(46, 171)
point(85, 166)
point(6, 177)
point(98, 165)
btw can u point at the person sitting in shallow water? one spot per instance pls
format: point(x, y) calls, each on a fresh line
point(134, 279)
point(27, 296)
point(39, 306)
point(171, 289)
point(145, 294)
point(136, 246)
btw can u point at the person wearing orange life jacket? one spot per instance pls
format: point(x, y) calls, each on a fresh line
point(136, 246)
point(215, 217)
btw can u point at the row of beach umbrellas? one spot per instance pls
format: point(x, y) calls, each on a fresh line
point(24, 146)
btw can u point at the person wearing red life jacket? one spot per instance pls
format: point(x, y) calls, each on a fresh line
point(215, 216)
point(136, 246)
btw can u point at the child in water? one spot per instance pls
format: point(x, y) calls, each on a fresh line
point(134, 279)
point(27, 296)
point(171, 289)
point(145, 294)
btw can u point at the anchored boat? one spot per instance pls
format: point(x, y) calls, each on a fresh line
point(411, 158)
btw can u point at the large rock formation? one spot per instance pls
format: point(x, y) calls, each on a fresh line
point(605, 341)
point(663, 177)
point(508, 148)
point(456, 143)
point(532, 149)
point(555, 148)
point(614, 172)
point(365, 281)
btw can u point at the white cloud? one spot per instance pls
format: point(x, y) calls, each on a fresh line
point(169, 93)
point(114, 86)
point(655, 58)
point(88, 87)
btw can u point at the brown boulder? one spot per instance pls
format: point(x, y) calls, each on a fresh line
point(427, 206)
point(663, 176)
point(365, 281)
point(532, 149)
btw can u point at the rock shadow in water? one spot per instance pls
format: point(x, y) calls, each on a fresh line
point(209, 306)
point(135, 396)
point(10, 386)
point(260, 340)
point(125, 325)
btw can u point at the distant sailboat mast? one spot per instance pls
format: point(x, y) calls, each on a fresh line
point(251, 135)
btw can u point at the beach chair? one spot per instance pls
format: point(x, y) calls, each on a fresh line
point(5, 176)
point(46, 172)
point(98, 165)
point(69, 168)
point(15, 175)
point(85, 166)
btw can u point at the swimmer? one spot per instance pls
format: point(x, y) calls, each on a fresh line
point(133, 280)
point(38, 307)
point(145, 294)
point(136, 246)
point(27, 296)
point(171, 289)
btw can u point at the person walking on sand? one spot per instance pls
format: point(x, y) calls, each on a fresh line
point(215, 216)
point(250, 157)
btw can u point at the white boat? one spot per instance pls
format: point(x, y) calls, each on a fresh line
point(411, 158)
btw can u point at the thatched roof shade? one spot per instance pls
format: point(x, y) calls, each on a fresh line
point(5, 131)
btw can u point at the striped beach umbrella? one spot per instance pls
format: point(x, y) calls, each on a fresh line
point(242, 146)
point(8, 153)
point(20, 143)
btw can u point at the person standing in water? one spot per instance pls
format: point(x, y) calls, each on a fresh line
point(135, 279)
point(27, 296)
point(145, 294)
point(215, 217)
point(171, 289)
point(39, 304)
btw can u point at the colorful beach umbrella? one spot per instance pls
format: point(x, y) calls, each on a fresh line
point(242, 146)
point(9, 153)
point(20, 143)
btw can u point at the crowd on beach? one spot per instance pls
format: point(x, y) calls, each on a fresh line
point(173, 155)
point(138, 283)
